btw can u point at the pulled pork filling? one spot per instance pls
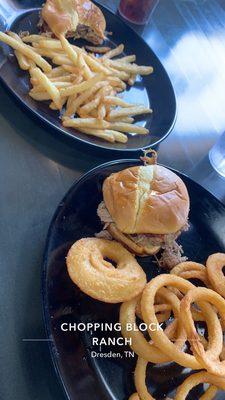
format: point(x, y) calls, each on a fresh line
point(85, 32)
point(82, 31)
point(172, 253)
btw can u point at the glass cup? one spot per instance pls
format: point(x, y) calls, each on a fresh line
point(217, 156)
point(137, 11)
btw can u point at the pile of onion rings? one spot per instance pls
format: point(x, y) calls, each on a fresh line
point(169, 299)
point(180, 304)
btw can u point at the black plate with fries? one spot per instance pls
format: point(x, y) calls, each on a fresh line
point(64, 303)
point(153, 91)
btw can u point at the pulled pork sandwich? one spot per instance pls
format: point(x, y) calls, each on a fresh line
point(73, 18)
point(146, 209)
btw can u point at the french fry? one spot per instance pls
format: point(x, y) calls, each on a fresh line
point(39, 87)
point(23, 61)
point(69, 104)
point(131, 81)
point(50, 44)
point(26, 51)
point(56, 80)
point(127, 59)
point(126, 112)
point(93, 114)
point(56, 72)
point(109, 137)
point(81, 87)
point(96, 49)
point(69, 50)
point(115, 81)
point(119, 137)
point(104, 91)
point(130, 68)
point(101, 111)
point(113, 53)
point(128, 120)
point(127, 128)
point(124, 76)
point(54, 107)
point(116, 101)
point(95, 123)
point(106, 134)
point(72, 69)
point(35, 38)
point(87, 108)
point(46, 53)
point(39, 96)
point(88, 74)
point(95, 65)
point(84, 96)
point(62, 60)
point(63, 78)
point(48, 86)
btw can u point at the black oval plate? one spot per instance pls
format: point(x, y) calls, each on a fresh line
point(63, 302)
point(155, 91)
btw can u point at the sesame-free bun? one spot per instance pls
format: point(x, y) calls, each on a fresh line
point(90, 15)
point(146, 199)
point(74, 18)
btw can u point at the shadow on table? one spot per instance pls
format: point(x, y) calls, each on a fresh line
point(49, 142)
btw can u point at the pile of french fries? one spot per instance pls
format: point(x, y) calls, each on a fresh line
point(84, 84)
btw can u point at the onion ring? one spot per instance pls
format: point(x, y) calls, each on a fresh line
point(214, 265)
point(97, 277)
point(139, 379)
point(134, 396)
point(183, 389)
point(163, 311)
point(143, 348)
point(196, 379)
point(210, 393)
point(191, 270)
point(160, 339)
point(212, 364)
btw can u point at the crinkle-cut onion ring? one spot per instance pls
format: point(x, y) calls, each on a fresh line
point(160, 339)
point(191, 270)
point(214, 265)
point(212, 364)
point(143, 348)
point(97, 277)
point(196, 379)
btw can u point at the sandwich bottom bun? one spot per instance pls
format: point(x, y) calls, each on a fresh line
point(135, 248)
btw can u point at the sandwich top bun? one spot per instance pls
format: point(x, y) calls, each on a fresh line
point(79, 18)
point(91, 16)
point(146, 199)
